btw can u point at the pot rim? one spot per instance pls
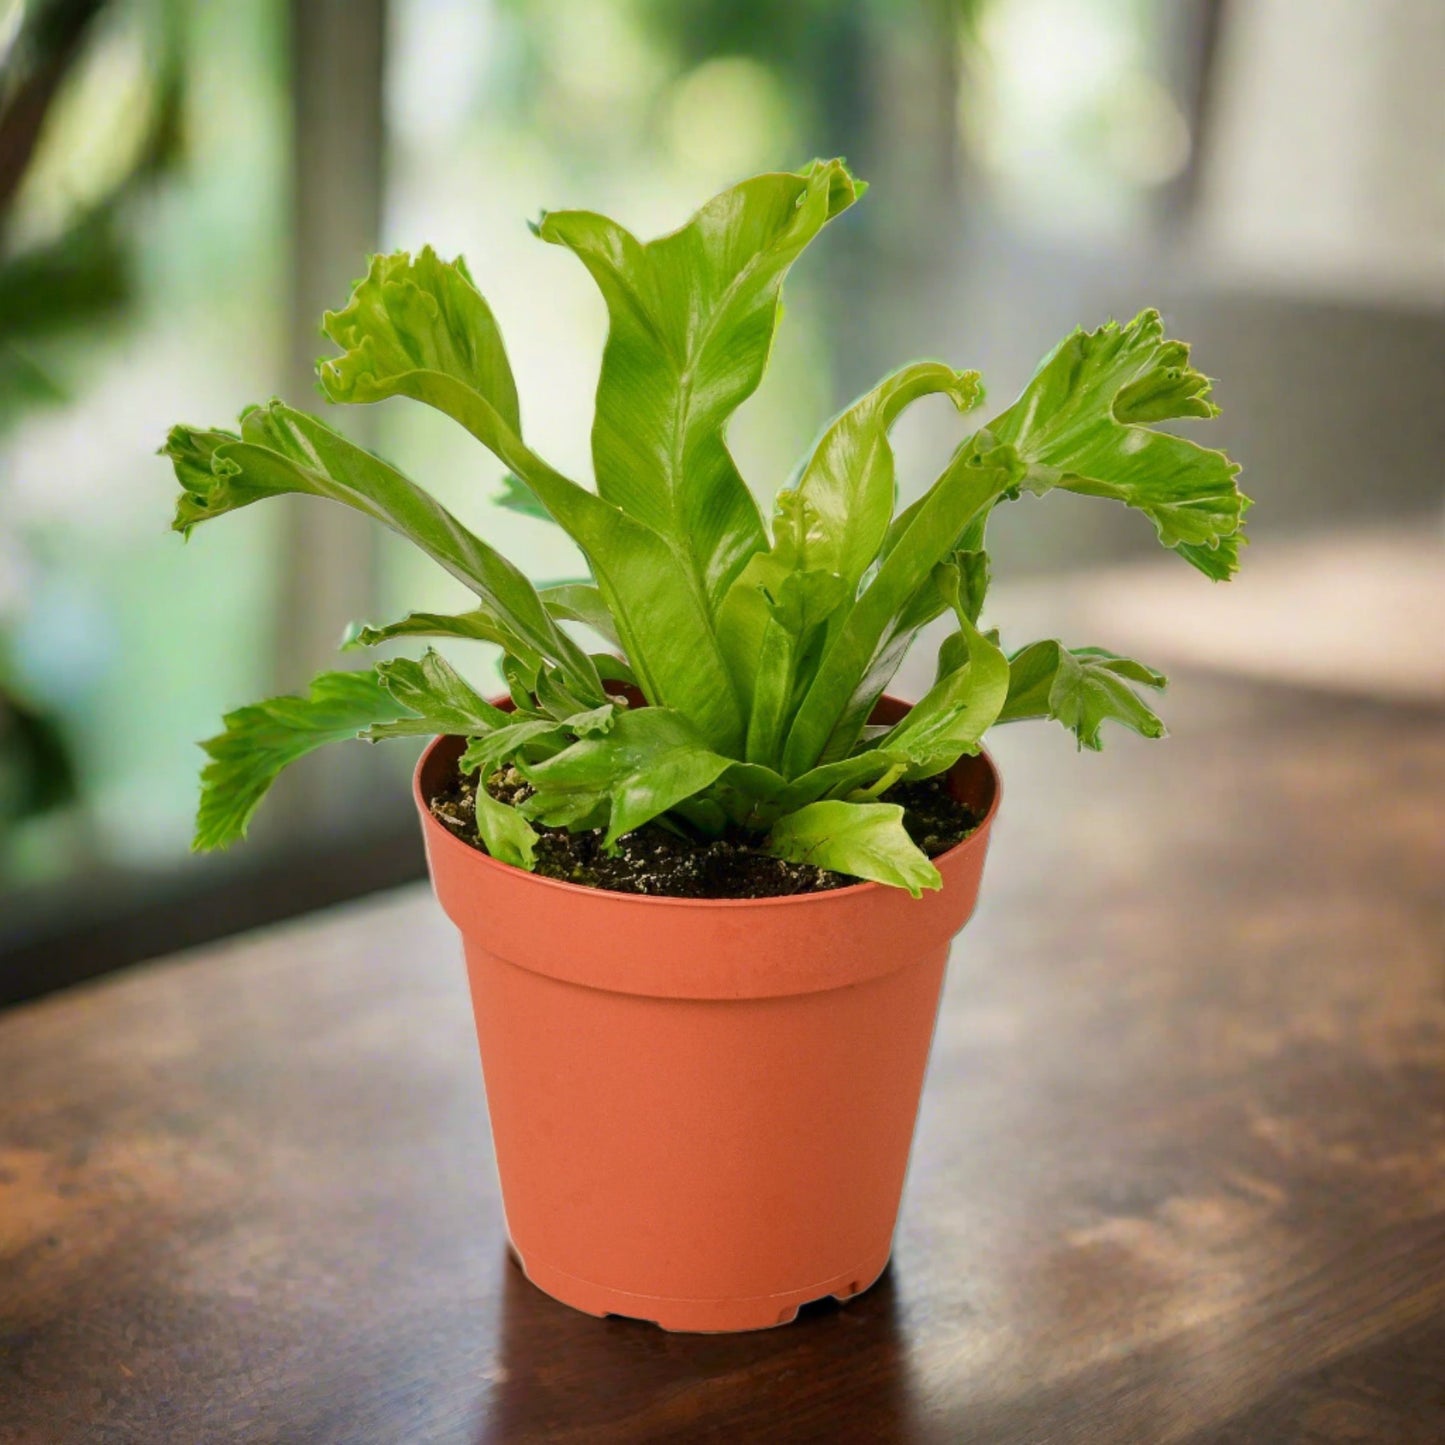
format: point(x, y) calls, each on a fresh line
point(440, 836)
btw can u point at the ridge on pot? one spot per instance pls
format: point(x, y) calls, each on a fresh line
point(702, 1109)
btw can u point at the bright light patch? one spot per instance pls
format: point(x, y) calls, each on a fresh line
point(726, 117)
point(1060, 106)
point(92, 138)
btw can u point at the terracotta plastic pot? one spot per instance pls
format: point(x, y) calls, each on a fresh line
point(702, 1110)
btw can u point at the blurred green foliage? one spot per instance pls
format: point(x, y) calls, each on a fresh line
point(52, 287)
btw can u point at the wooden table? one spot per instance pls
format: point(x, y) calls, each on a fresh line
point(1179, 1175)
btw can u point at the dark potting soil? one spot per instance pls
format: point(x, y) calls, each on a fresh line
point(655, 860)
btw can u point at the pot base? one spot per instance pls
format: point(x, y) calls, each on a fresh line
point(696, 1316)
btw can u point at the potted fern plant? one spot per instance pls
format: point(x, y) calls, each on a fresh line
point(706, 871)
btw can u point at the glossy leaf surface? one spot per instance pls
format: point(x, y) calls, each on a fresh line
point(867, 840)
point(650, 590)
point(1081, 687)
point(691, 318)
point(648, 761)
point(282, 451)
point(1083, 424)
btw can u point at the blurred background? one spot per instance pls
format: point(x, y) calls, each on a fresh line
point(186, 184)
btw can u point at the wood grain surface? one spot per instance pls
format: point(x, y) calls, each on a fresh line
point(1179, 1174)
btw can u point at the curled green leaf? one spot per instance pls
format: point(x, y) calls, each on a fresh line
point(1083, 424)
point(647, 762)
point(260, 740)
point(1082, 688)
point(866, 840)
point(691, 318)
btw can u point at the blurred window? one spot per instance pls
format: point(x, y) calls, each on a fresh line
point(168, 304)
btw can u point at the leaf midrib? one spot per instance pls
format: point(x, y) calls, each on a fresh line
point(687, 373)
